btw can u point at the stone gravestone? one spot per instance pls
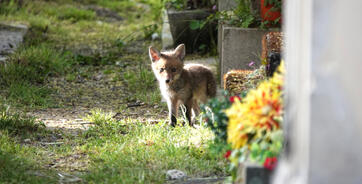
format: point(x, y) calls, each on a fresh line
point(323, 114)
point(240, 46)
point(10, 38)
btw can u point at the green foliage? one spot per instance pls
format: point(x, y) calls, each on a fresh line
point(189, 4)
point(276, 4)
point(8, 7)
point(263, 149)
point(240, 16)
point(176, 4)
point(149, 30)
point(243, 16)
point(142, 84)
point(197, 24)
point(216, 119)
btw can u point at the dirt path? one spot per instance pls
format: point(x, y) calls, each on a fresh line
point(94, 90)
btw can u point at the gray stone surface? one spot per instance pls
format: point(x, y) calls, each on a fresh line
point(252, 173)
point(257, 175)
point(210, 180)
point(182, 33)
point(323, 121)
point(226, 5)
point(166, 36)
point(239, 47)
point(175, 175)
point(10, 38)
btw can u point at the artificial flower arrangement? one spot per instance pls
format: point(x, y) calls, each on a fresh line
point(250, 123)
point(254, 127)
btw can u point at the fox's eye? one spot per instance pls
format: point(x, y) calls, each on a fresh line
point(161, 70)
point(173, 69)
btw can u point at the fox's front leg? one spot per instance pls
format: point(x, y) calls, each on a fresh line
point(172, 111)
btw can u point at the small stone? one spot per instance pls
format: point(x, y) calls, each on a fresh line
point(155, 36)
point(98, 77)
point(175, 174)
point(27, 140)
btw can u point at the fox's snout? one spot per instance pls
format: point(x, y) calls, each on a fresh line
point(167, 77)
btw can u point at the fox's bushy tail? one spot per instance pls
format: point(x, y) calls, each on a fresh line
point(211, 85)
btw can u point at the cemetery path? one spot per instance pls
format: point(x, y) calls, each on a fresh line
point(77, 98)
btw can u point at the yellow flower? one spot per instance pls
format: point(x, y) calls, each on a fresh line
point(258, 114)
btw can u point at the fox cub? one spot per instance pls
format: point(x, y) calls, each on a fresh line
point(189, 84)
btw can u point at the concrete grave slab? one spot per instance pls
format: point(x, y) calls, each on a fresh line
point(10, 38)
point(182, 33)
point(239, 47)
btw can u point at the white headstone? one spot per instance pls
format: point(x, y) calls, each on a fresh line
point(323, 113)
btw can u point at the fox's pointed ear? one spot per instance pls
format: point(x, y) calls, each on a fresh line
point(154, 54)
point(180, 52)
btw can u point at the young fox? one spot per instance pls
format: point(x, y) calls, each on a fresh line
point(181, 84)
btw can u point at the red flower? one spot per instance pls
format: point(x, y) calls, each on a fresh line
point(232, 98)
point(227, 154)
point(270, 163)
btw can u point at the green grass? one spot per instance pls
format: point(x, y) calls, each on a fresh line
point(34, 64)
point(117, 151)
point(21, 163)
point(66, 34)
point(142, 83)
point(126, 151)
point(30, 96)
point(135, 152)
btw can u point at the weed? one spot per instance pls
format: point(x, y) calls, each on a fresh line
point(141, 82)
point(98, 117)
point(16, 124)
point(27, 95)
point(75, 14)
point(33, 64)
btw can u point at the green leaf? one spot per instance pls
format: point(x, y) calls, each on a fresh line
point(195, 24)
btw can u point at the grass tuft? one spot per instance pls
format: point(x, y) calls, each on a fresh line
point(17, 124)
point(33, 64)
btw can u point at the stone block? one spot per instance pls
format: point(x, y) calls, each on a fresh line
point(240, 46)
point(182, 33)
point(257, 175)
point(250, 173)
point(166, 36)
point(11, 36)
point(225, 5)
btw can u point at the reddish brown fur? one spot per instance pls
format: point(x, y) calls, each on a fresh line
point(182, 84)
